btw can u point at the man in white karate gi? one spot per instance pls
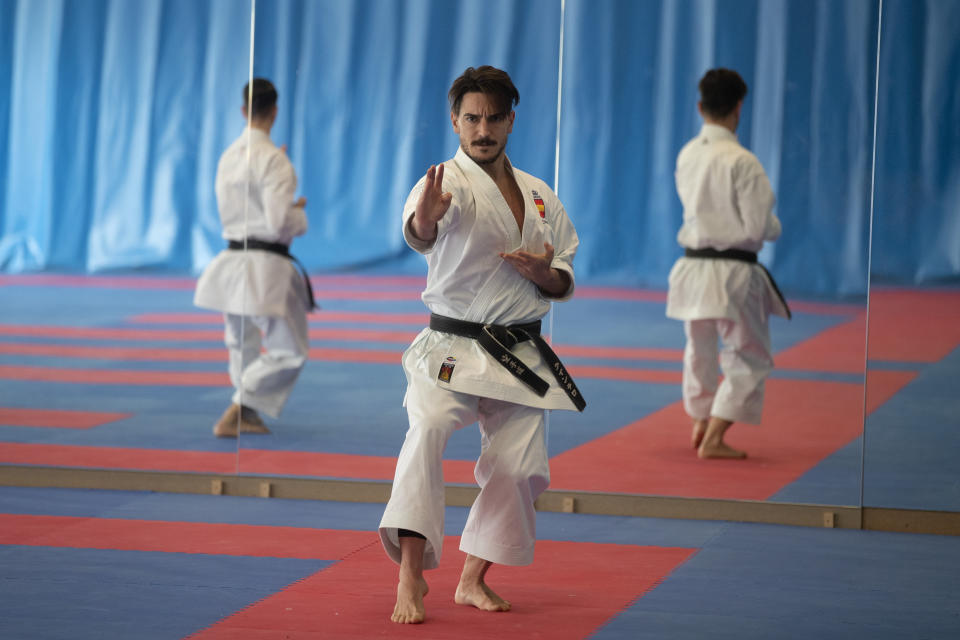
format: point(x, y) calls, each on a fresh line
point(718, 288)
point(255, 281)
point(500, 248)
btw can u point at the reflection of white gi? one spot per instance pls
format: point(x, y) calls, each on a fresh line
point(727, 204)
point(467, 280)
point(262, 291)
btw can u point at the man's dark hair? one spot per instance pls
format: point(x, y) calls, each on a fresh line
point(720, 91)
point(264, 98)
point(487, 80)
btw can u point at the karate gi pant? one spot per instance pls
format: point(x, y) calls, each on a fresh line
point(266, 356)
point(512, 471)
point(745, 360)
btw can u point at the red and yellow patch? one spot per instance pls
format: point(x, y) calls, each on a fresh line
point(537, 200)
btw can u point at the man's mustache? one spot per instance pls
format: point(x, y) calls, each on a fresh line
point(484, 142)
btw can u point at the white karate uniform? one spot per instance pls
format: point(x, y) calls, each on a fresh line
point(727, 204)
point(468, 280)
point(262, 292)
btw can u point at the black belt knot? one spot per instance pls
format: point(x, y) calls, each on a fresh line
point(498, 340)
point(281, 250)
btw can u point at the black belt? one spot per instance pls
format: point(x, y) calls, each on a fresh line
point(742, 256)
point(279, 249)
point(497, 340)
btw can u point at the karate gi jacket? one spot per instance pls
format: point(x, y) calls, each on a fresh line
point(468, 280)
point(727, 204)
point(255, 200)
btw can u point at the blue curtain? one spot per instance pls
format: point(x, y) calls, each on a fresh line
point(115, 113)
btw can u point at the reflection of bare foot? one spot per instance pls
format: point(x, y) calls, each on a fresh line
point(409, 607)
point(713, 445)
point(699, 428)
point(233, 421)
point(250, 416)
point(721, 450)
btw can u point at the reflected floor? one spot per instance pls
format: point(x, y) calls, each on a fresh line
point(123, 372)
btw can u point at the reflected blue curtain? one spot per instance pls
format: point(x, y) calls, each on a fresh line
point(363, 98)
point(917, 216)
point(115, 113)
point(630, 104)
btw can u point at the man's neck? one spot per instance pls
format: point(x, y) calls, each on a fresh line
point(730, 123)
point(261, 125)
point(497, 169)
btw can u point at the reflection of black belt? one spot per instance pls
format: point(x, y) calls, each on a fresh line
point(742, 256)
point(279, 249)
point(497, 340)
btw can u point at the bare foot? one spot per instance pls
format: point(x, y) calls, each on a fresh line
point(699, 428)
point(479, 595)
point(409, 607)
point(721, 450)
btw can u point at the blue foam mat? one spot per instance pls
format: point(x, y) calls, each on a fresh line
point(92, 593)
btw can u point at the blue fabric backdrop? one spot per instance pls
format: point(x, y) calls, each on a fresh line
point(114, 115)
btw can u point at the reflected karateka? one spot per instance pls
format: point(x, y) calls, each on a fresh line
point(262, 294)
point(718, 288)
point(499, 247)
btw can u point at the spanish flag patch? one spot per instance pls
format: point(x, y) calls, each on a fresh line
point(537, 200)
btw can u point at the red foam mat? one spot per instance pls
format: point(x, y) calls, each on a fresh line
point(58, 418)
point(653, 455)
point(570, 590)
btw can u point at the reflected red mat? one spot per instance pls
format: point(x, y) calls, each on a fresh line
point(285, 463)
point(804, 422)
point(913, 326)
point(58, 418)
point(181, 537)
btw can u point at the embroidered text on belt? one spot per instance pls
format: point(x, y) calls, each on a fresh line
point(497, 340)
point(279, 249)
point(742, 256)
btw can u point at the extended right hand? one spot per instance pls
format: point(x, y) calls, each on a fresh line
point(432, 204)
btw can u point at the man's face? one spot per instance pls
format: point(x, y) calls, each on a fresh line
point(482, 126)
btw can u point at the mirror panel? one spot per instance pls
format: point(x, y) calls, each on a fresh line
point(108, 210)
point(808, 118)
point(361, 131)
point(914, 332)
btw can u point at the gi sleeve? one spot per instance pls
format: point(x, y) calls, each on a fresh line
point(447, 222)
point(284, 219)
point(565, 243)
point(755, 202)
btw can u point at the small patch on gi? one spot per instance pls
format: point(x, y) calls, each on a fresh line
point(537, 200)
point(446, 369)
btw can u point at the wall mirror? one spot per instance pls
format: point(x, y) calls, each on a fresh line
point(109, 214)
point(914, 291)
point(117, 114)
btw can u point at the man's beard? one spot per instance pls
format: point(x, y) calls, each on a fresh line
point(481, 161)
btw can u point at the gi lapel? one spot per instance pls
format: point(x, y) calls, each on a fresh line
point(489, 198)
